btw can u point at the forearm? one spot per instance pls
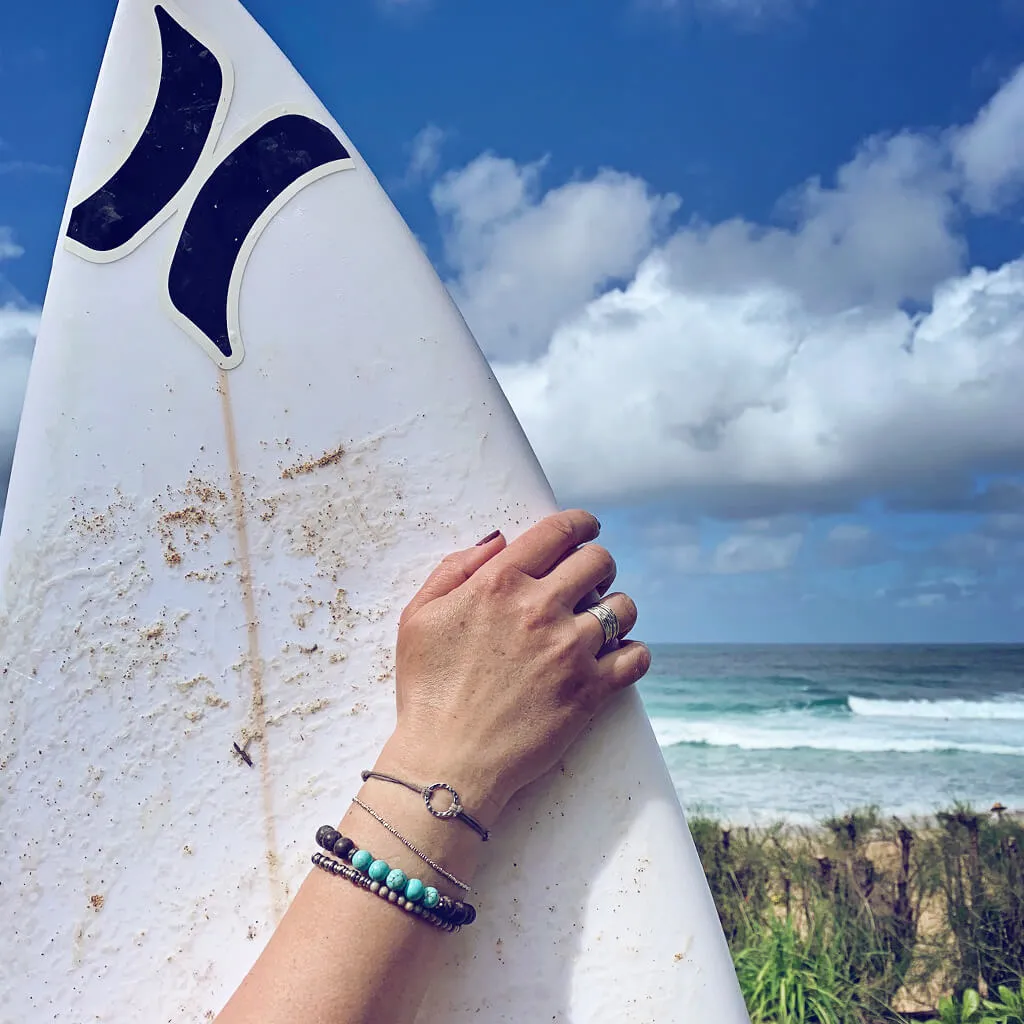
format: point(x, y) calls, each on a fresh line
point(342, 955)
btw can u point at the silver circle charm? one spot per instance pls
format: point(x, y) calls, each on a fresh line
point(609, 621)
point(452, 812)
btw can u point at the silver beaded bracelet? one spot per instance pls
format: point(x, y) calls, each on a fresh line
point(405, 842)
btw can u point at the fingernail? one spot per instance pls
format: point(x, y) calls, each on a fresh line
point(488, 538)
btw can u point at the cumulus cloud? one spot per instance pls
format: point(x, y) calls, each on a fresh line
point(524, 261)
point(881, 235)
point(742, 369)
point(990, 151)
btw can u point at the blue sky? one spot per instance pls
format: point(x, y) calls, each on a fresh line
point(747, 269)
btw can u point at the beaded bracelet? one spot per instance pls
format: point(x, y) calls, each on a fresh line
point(379, 872)
point(419, 853)
point(335, 867)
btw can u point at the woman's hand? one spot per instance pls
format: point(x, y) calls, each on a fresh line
point(498, 666)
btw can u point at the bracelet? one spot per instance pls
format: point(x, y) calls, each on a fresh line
point(379, 872)
point(456, 810)
point(334, 867)
point(419, 853)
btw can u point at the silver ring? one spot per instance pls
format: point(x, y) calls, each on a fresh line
point(609, 622)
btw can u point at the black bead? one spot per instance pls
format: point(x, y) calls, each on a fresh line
point(327, 837)
point(471, 914)
point(459, 914)
point(343, 848)
point(445, 905)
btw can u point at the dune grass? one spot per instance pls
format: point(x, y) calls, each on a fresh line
point(867, 918)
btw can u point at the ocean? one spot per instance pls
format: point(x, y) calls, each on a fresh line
point(758, 734)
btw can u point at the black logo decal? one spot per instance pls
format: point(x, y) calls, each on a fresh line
point(203, 281)
point(236, 200)
point(179, 128)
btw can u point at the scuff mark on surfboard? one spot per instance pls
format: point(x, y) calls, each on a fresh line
point(254, 659)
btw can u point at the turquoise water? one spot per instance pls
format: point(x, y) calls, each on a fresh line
point(759, 733)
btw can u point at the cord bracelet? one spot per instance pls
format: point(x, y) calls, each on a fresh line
point(455, 810)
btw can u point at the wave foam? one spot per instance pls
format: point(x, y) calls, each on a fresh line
point(673, 732)
point(1005, 709)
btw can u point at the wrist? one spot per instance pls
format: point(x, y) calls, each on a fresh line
point(426, 763)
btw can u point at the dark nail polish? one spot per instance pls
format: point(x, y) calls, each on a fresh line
point(488, 538)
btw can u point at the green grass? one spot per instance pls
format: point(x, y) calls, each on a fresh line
point(839, 924)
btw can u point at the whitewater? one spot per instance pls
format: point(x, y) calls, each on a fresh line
point(757, 733)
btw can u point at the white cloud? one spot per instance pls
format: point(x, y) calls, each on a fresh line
point(425, 153)
point(9, 249)
point(746, 401)
point(743, 369)
point(930, 593)
point(852, 545)
point(525, 261)
point(990, 151)
point(750, 13)
point(755, 552)
point(18, 327)
point(882, 235)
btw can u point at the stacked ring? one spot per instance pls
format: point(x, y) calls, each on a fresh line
point(609, 622)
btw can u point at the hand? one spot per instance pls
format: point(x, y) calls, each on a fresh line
point(498, 668)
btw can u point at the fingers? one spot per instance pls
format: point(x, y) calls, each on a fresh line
point(622, 668)
point(545, 544)
point(453, 571)
point(590, 568)
point(590, 627)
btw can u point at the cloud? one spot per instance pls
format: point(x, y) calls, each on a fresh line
point(523, 261)
point(29, 167)
point(929, 594)
point(854, 545)
point(881, 235)
point(755, 553)
point(738, 369)
point(9, 249)
point(18, 327)
point(990, 151)
point(748, 13)
point(751, 402)
point(425, 153)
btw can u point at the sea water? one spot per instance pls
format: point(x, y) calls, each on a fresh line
point(756, 734)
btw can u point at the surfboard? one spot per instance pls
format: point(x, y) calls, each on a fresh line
point(255, 421)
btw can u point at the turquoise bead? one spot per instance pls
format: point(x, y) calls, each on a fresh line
point(414, 890)
point(362, 859)
point(396, 880)
point(378, 870)
point(431, 897)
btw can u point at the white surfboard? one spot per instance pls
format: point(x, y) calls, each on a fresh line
point(254, 423)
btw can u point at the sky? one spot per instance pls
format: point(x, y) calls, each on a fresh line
point(751, 273)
